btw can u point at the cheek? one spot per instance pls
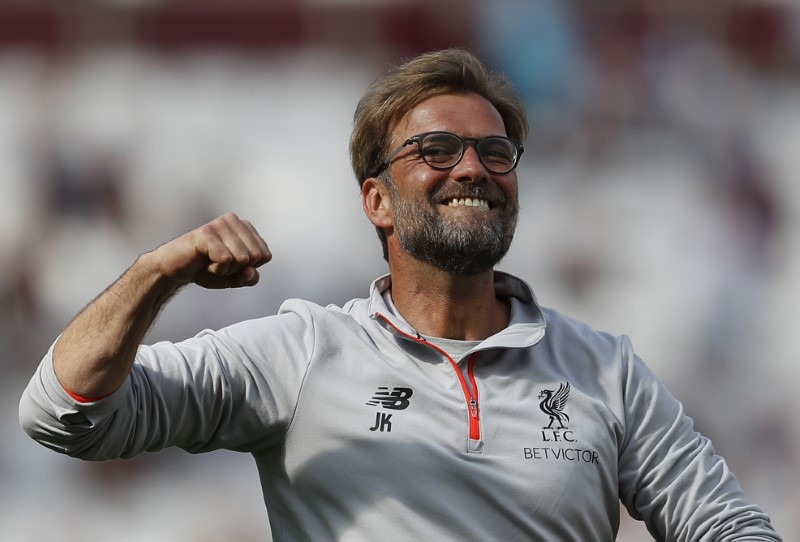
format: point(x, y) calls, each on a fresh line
point(508, 184)
point(426, 177)
point(420, 182)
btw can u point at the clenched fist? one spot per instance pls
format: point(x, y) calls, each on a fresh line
point(225, 253)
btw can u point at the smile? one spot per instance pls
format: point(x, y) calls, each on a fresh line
point(468, 202)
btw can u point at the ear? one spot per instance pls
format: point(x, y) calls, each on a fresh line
point(377, 203)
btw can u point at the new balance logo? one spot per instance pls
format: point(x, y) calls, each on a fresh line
point(397, 399)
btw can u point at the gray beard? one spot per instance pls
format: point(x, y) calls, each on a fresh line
point(459, 248)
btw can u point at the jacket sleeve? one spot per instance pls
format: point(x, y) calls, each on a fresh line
point(669, 475)
point(235, 388)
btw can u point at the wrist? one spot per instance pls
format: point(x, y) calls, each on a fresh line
point(148, 271)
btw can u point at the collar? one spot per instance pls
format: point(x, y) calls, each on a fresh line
point(526, 326)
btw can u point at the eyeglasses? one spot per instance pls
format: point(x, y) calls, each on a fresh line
point(443, 150)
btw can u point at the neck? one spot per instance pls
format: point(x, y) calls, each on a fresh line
point(438, 304)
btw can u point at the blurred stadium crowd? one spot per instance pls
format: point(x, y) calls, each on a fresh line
point(659, 191)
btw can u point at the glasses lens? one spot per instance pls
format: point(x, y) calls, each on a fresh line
point(440, 149)
point(498, 154)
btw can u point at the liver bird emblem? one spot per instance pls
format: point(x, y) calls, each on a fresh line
point(553, 404)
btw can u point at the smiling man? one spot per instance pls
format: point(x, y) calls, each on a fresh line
point(446, 200)
point(447, 405)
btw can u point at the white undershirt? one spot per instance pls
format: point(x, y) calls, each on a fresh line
point(454, 348)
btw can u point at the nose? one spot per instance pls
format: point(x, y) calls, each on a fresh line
point(470, 167)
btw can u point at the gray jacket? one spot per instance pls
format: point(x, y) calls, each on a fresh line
point(363, 431)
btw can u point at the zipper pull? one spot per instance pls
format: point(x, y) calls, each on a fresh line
point(473, 406)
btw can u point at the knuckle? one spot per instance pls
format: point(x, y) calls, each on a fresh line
point(206, 229)
point(224, 258)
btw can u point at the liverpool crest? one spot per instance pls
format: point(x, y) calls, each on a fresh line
point(553, 403)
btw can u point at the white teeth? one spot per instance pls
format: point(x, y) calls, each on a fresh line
point(469, 202)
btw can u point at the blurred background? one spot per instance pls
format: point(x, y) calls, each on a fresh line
point(659, 193)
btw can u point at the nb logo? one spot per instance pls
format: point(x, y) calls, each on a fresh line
point(397, 399)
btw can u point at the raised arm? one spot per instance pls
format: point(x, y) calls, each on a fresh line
point(95, 353)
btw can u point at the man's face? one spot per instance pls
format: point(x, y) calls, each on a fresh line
point(433, 218)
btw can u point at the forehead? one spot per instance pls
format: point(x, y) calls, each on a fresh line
point(468, 115)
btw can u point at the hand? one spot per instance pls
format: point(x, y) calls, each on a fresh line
point(225, 253)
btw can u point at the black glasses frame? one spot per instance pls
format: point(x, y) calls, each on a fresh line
point(519, 148)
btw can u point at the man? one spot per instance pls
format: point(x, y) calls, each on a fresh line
point(446, 406)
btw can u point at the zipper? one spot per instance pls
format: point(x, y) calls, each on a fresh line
point(470, 389)
point(472, 395)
